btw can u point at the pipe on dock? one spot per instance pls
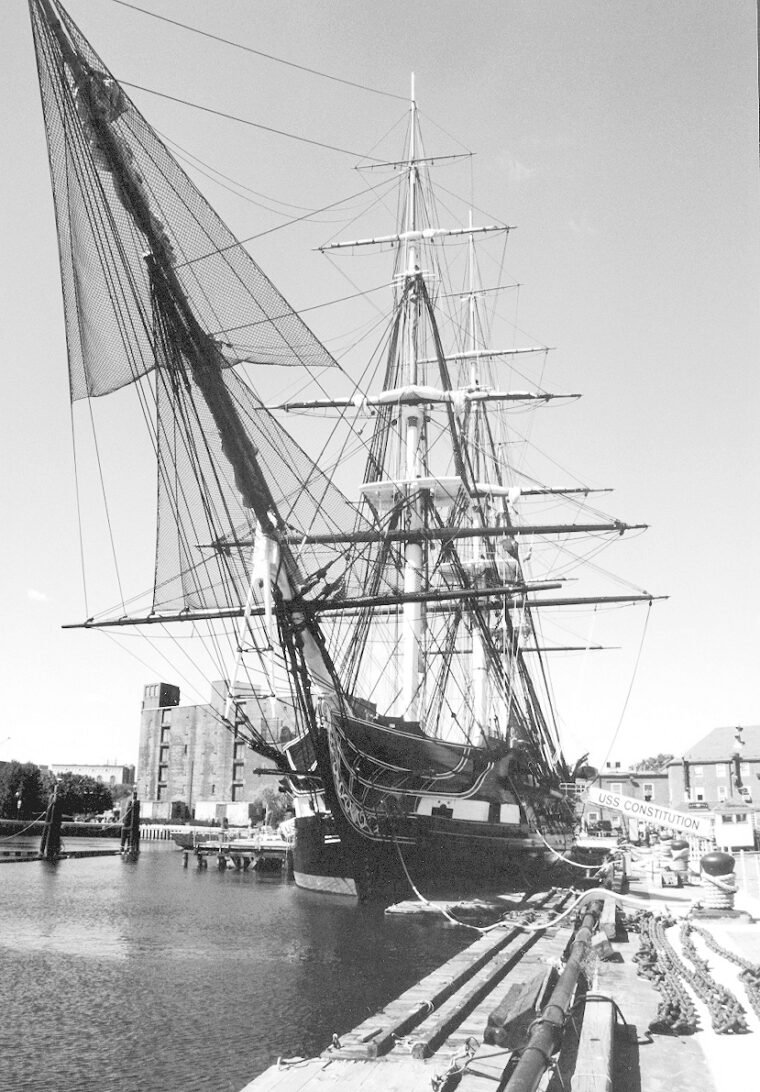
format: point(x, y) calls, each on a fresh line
point(546, 1031)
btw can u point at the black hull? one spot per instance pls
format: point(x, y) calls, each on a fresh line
point(446, 859)
point(320, 860)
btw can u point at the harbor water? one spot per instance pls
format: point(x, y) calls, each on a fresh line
point(119, 976)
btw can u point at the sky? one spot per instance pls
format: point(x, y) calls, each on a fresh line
point(620, 138)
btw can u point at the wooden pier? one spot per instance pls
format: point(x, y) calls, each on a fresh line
point(491, 1020)
point(262, 855)
point(7, 855)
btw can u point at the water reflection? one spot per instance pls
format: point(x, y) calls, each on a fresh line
point(153, 976)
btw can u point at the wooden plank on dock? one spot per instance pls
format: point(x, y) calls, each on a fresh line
point(593, 1066)
point(608, 917)
point(485, 1070)
point(510, 1019)
point(541, 959)
point(436, 1027)
point(378, 1034)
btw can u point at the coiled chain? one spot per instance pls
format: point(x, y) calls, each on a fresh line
point(750, 972)
point(726, 1013)
point(659, 962)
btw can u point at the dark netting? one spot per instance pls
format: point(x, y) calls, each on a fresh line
point(206, 533)
point(154, 282)
point(102, 151)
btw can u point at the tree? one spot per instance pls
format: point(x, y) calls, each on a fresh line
point(22, 791)
point(274, 803)
point(120, 792)
point(83, 795)
point(656, 762)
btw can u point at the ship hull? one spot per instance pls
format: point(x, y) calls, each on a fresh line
point(444, 858)
point(320, 861)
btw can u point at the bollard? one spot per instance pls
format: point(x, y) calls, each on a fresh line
point(680, 863)
point(718, 881)
point(185, 858)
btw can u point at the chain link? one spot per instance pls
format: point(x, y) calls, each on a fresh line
point(726, 1012)
point(658, 961)
point(655, 960)
point(750, 972)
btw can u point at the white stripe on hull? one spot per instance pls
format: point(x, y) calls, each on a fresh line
point(331, 885)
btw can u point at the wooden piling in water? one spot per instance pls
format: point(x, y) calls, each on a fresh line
point(50, 842)
point(130, 829)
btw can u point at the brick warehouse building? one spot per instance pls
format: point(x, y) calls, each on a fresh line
point(191, 766)
point(722, 767)
point(718, 774)
point(650, 786)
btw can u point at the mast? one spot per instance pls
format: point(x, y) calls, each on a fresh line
point(413, 550)
point(479, 659)
point(194, 353)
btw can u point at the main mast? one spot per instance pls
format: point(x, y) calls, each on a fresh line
point(480, 686)
point(413, 551)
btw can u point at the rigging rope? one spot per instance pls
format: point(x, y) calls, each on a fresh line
point(245, 121)
point(260, 53)
point(630, 687)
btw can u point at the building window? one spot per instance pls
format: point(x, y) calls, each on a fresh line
point(164, 735)
point(185, 750)
point(648, 790)
point(720, 770)
point(592, 816)
point(238, 751)
point(237, 792)
point(161, 792)
point(163, 753)
point(213, 789)
point(166, 716)
point(746, 772)
point(698, 794)
point(616, 786)
point(163, 773)
point(722, 793)
point(237, 771)
point(698, 771)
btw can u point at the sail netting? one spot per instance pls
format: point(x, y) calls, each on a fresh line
point(159, 294)
point(101, 149)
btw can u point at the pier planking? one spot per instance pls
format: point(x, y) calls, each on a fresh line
point(406, 1044)
point(602, 1048)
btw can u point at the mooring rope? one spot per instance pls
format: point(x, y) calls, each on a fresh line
point(18, 833)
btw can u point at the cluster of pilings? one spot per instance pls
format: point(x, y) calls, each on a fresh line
point(50, 843)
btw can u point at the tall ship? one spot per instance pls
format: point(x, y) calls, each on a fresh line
point(363, 544)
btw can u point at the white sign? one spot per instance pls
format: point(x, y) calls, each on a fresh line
point(650, 813)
